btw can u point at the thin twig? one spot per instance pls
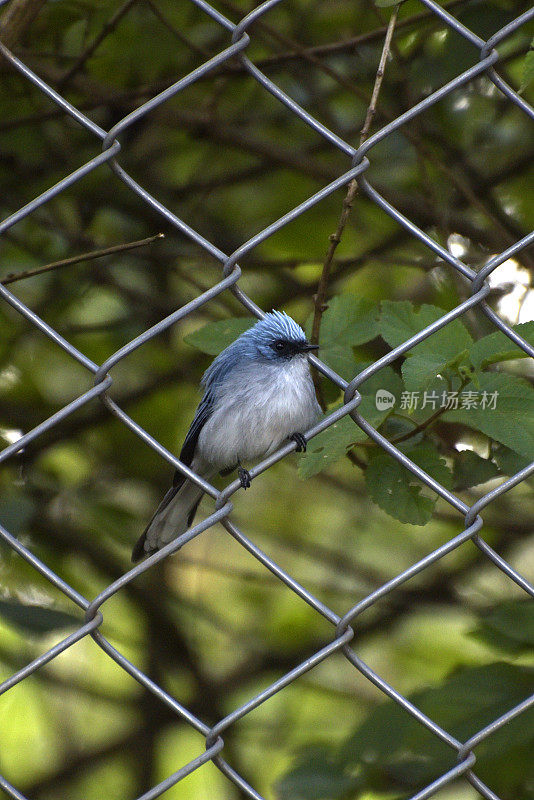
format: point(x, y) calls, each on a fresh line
point(350, 45)
point(335, 238)
point(415, 431)
point(200, 51)
point(304, 53)
point(371, 111)
point(67, 262)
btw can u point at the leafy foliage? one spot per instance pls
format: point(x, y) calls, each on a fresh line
point(462, 705)
point(328, 446)
point(509, 627)
point(497, 347)
point(511, 421)
point(528, 68)
point(398, 492)
point(470, 469)
point(444, 351)
point(349, 321)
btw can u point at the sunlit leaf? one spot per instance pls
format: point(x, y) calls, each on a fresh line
point(499, 347)
point(504, 412)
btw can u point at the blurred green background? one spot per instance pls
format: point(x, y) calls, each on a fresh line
point(211, 625)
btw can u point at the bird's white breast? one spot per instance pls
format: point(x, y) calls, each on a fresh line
point(258, 406)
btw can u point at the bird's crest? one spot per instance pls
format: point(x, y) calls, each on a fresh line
point(279, 325)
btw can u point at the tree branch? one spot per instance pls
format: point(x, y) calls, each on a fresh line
point(335, 238)
point(67, 262)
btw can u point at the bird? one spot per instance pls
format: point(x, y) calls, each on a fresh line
point(258, 393)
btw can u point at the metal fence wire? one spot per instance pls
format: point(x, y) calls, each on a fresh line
point(109, 142)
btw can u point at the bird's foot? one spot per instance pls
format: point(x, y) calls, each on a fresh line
point(300, 441)
point(244, 476)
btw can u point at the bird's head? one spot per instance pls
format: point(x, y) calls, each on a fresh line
point(277, 337)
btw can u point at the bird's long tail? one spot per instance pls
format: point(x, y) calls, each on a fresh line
point(173, 517)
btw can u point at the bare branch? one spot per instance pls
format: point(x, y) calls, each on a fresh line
point(67, 262)
point(335, 238)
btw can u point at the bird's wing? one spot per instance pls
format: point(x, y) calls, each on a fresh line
point(187, 452)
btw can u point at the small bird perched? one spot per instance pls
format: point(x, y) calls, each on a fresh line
point(257, 392)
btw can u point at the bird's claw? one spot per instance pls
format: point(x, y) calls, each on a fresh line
point(300, 442)
point(244, 477)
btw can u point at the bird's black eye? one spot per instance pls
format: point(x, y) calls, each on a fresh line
point(280, 345)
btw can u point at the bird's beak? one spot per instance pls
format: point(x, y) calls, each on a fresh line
point(307, 348)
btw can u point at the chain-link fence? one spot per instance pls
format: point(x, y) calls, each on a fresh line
point(485, 61)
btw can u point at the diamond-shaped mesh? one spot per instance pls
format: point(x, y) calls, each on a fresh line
point(358, 161)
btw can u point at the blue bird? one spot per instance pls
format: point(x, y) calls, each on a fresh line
point(257, 393)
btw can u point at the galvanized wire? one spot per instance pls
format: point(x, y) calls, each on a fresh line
point(485, 59)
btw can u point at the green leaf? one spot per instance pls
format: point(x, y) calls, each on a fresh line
point(36, 619)
point(398, 492)
point(332, 444)
point(425, 363)
point(446, 349)
point(426, 456)
point(390, 488)
point(317, 775)
point(471, 470)
point(499, 347)
point(391, 743)
point(387, 3)
point(392, 749)
point(385, 380)
point(399, 320)
point(348, 321)
point(328, 447)
point(341, 359)
point(511, 421)
point(215, 336)
point(509, 626)
point(528, 68)
point(509, 462)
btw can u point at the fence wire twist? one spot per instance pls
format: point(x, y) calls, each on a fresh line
point(472, 523)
